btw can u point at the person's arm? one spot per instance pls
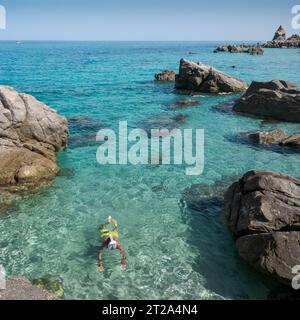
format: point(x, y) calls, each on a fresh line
point(123, 261)
point(100, 266)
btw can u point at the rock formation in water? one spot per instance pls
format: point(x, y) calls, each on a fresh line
point(276, 99)
point(20, 288)
point(273, 137)
point(280, 34)
point(30, 135)
point(262, 210)
point(252, 50)
point(197, 77)
point(281, 41)
point(165, 76)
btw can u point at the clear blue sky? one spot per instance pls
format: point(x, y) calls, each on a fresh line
point(145, 19)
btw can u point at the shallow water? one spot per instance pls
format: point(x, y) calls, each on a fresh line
point(173, 253)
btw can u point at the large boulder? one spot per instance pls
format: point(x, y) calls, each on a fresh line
point(280, 34)
point(30, 135)
point(262, 210)
point(276, 99)
point(197, 77)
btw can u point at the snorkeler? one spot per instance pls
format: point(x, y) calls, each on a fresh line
point(110, 241)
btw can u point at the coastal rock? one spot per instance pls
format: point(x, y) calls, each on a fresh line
point(165, 76)
point(30, 135)
point(199, 77)
point(262, 210)
point(276, 99)
point(280, 41)
point(268, 137)
point(20, 288)
point(280, 34)
point(252, 50)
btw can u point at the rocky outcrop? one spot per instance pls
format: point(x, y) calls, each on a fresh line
point(280, 40)
point(20, 288)
point(280, 34)
point(276, 99)
point(262, 210)
point(252, 50)
point(165, 76)
point(30, 135)
point(197, 77)
point(267, 137)
point(275, 137)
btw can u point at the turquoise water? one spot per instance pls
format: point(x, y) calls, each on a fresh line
point(173, 253)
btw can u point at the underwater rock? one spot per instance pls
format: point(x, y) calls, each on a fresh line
point(276, 99)
point(66, 172)
point(20, 288)
point(184, 103)
point(262, 210)
point(82, 141)
point(199, 77)
point(30, 135)
point(194, 195)
point(84, 124)
point(165, 76)
point(51, 284)
point(163, 121)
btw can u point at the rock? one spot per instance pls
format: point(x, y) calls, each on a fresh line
point(66, 172)
point(262, 210)
point(52, 284)
point(84, 124)
point(276, 99)
point(20, 288)
point(268, 137)
point(241, 49)
point(280, 34)
point(30, 134)
point(165, 76)
point(184, 103)
point(280, 41)
point(274, 253)
point(203, 78)
point(292, 141)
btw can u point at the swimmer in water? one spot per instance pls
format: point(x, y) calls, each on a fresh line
point(110, 241)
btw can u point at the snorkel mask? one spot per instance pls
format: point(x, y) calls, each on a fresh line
point(112, 245)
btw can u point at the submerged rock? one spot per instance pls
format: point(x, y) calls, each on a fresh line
point(262, 210)
point(163, 121)
point(51, 284)
point(184, 103)
point(20, 288)
point(203, 78)
point(84, 124)
point(276, 99)
point(30, 135)
point(165, 76)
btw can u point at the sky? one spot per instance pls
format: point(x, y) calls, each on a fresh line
point(148, 20)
